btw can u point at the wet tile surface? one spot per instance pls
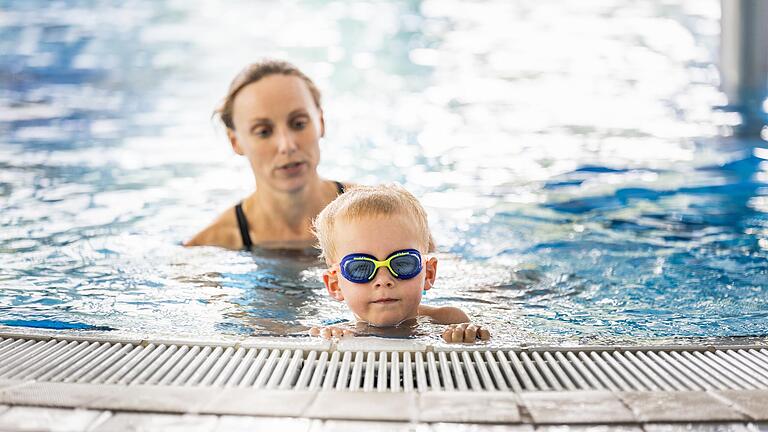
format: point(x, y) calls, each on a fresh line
point(250, 424)
point(22, 418)
point(367, 426)
point(259, 402)
point(678, 406)
point(470, 407)
point(753, 403)
point(576, 407)
point(700, 427)
point(363, 406)
point(158, 423)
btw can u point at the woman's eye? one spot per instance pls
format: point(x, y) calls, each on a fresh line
point(300, 123)
point(262, 132)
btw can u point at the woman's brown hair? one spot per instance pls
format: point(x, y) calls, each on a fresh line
point(254, 72)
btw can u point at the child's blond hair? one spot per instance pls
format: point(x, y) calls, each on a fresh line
point(366, 201)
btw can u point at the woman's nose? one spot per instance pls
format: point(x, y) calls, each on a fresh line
point(286, 143)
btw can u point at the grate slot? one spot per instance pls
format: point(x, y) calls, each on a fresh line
point(218, 367)
point(341, 382)
point(625, 375)
point(49, 359)
point(458, 372)
point(254, 366)
point(370, 372)
point(96, 361)
point(734, 375)
point(148, 373)
point(498, 378)
point(63, 360)
point(115, 359)
point(205, 368)
point(115, 373)
point(570, 371)
point(445, 371)
point(421, 375)
point(79, 366)
point(539, 382)
point(266, 369)
point(309, 366)
point(15, 349)
point(278, 372)
point(678, 369)
point(434, 377)
point(319, 371)
point(598, 372)
point(381, 382)
point(239, 373)
point(395, 373)
point(185, 366)
point(584, 373)
point(546, 372)
point(30, 357)
point(290, 375)
point(509, 374)
point(746, 365)
point(357, 371)
point(720, 379)
point(407, 372)
point(656, 381)
point(711, 382)
point(519, 369)
point(333, 368)
point(172, 365)
point(485, 375)
point(755, 358)
point(469, 368)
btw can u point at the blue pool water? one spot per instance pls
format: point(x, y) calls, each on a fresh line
point(581, 186)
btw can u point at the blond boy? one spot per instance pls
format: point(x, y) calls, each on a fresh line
point(375, 240)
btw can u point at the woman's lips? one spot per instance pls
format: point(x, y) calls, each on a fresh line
point(292, 168)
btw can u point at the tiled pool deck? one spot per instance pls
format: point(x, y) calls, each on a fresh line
point(27, 405)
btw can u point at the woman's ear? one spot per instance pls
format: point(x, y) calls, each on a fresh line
point(322, 124)
point(233, 140)
point(331, 281)
point(430, 268)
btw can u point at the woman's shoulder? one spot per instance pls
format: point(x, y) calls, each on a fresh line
point(222, 232)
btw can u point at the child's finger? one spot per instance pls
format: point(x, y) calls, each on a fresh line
point(484, 334)
point(349, 333)
point(337, 332)
point(457, 335)
point(448, 335)
point(470, 333)
point(314, 331)
point(325, 333)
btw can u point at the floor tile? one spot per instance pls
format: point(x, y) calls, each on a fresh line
point(468, 427)
point(248, 401)
point(753, 403)
point(678, 406)
point(22, 418)
point(699, 427)
point(589, 428)
point(575, 407)
point(158, 423)
point(363, 406)
point(368, 426)
point(470, 407)
point(229, 423)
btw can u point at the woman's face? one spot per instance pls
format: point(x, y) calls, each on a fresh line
point(278, 128)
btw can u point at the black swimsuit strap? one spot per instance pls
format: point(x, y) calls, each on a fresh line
point(339, 187)
point(242, 223)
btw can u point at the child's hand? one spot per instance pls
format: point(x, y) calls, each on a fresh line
point(466, 333)
point(330, 331)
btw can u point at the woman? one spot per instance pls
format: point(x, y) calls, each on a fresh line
point(273, 117)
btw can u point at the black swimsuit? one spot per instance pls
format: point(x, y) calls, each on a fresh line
point(242, 222)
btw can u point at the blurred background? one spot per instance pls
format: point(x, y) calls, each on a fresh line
point(586, 178)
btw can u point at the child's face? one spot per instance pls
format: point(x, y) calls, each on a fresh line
point(385, 300)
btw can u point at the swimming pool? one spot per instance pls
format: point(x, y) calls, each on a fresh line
point(581, 188)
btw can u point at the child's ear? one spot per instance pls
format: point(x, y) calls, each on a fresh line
point(430, 268)
point(331, 281)
point(233, 140)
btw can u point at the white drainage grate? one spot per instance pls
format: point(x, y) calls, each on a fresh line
point(94, 362)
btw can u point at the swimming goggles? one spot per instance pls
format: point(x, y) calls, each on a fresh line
point(361, 268)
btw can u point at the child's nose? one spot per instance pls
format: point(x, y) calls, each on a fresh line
point(383, 279)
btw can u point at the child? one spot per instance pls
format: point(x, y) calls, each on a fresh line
point(373, 239)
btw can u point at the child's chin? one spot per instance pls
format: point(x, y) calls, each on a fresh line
point(385, 322)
